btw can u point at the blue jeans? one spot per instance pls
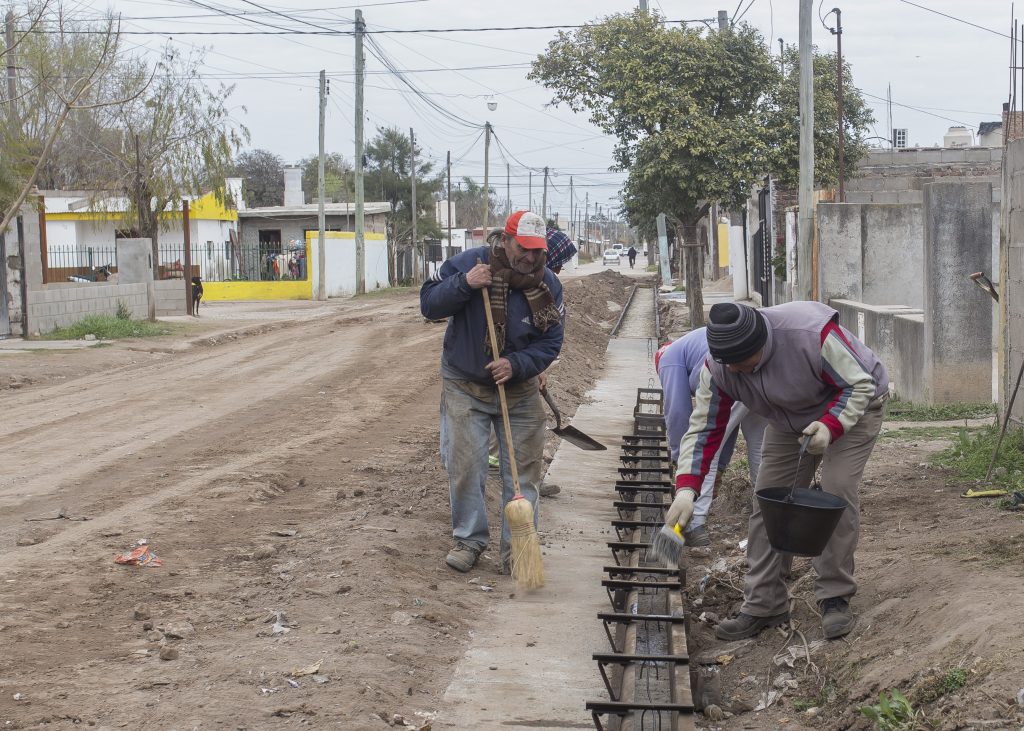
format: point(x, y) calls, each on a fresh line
point(468, 413)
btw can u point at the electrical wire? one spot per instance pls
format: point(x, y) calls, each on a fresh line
point(917, 109)
point(958, 20)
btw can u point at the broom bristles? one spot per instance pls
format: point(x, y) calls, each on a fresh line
point(527, 564)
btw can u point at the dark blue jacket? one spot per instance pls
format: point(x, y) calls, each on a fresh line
point(528, 349)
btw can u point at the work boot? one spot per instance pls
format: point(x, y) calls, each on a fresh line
point(697, 537)
point(837, 619)
point(746, 625)
point(463, 557)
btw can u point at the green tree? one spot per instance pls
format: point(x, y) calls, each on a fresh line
point(784, 132)
point(688, 110)
point(389, 157)
point(468, 204)
point(339, 178)
point(262, 177)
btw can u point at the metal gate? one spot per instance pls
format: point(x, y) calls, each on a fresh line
point(763, 238)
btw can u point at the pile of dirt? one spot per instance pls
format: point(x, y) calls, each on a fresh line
point(938, 611)
point(593, 305)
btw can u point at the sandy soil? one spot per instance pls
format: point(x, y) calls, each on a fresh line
point(939, 591)
point(287, 475)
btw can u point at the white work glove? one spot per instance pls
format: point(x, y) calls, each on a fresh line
point(681, 508)
point(820, 436)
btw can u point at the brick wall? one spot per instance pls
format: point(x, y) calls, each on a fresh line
point(60, 305)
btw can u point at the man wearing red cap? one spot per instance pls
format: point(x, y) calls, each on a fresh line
point(526, 300)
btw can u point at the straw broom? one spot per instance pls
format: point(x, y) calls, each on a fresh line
point(527, 564)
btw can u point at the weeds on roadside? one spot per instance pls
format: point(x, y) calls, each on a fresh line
point(908, 411)
point(939, 683)
point(108, 327)
point(123, 312)
point(893, 713)
point(971, 451)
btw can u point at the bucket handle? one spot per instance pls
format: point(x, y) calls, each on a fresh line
point(800, 458)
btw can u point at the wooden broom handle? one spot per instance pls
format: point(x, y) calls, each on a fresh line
point(501, 390)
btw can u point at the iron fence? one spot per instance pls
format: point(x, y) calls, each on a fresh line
point(73, 263)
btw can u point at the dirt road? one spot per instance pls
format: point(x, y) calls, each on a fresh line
point(288, 478)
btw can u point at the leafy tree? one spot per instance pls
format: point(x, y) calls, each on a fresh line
point(62, 76)
point(177, 139)
point(784, 131)
point(262, 177)
point(339, 178)
point(389, 156)
point(687, 108)
point(468, 204)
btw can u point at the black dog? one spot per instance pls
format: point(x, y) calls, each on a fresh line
point(197, 294)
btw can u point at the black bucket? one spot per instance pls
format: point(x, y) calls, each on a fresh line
point(803, 526)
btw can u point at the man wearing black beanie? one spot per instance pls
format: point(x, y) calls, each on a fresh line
point(812, 380)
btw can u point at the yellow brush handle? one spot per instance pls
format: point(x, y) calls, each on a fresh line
point(679, 530)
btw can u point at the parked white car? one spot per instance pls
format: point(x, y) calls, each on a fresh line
point(611, 256)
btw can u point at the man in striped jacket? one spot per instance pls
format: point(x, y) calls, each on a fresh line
point(810, 378)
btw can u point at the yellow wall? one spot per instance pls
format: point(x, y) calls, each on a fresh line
point(206, 208)
point(723, 245)
point(241, 291)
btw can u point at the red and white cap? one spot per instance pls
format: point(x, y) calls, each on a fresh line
point(527, 229)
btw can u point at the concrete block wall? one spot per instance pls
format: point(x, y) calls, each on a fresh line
point(958, 328)
point(871, 253)
point(170, 297)
point(60, 305)
point(899, 344)
point(1011, 351)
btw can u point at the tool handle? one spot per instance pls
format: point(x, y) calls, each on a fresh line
point(554, 408)
point(501, 390)
point(804, 443)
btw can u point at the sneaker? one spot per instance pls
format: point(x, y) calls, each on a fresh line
point(746, 625)
point(837, 619)
point(493, 462)
point(463, 557)
point(697, 537)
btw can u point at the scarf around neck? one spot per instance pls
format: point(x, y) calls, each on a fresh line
point(542, 304)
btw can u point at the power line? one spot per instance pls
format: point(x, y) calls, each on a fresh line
point(958, 20)
point(917, 109)
point(299, 32)
point(243, 13)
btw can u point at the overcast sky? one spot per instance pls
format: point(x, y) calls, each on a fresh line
point(954, 73)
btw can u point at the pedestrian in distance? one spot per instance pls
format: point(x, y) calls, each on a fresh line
point(632, 256)
point(526, 299)
point(679, 365)
point(814, 382)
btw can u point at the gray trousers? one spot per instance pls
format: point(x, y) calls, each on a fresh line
point(764, 590)
point(469, 412)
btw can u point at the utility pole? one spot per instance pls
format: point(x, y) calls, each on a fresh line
point(321, 191)
point(544, 199)
point(838, 33)
point(643, 6)
point(12, 70)
point(663, 264)
point(804, 275)
point(508, 186)
point(412, 199)
point(449, 166)
point(529, 196)
point(487, 175)
point(586, 220)
point(572, 208)
point(186, 227)
point(723, 20)
point(360, 201)
point(782, 58)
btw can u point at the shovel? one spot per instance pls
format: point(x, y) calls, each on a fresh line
point(570, 433)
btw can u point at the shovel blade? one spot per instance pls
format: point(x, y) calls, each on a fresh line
point(574, 436)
